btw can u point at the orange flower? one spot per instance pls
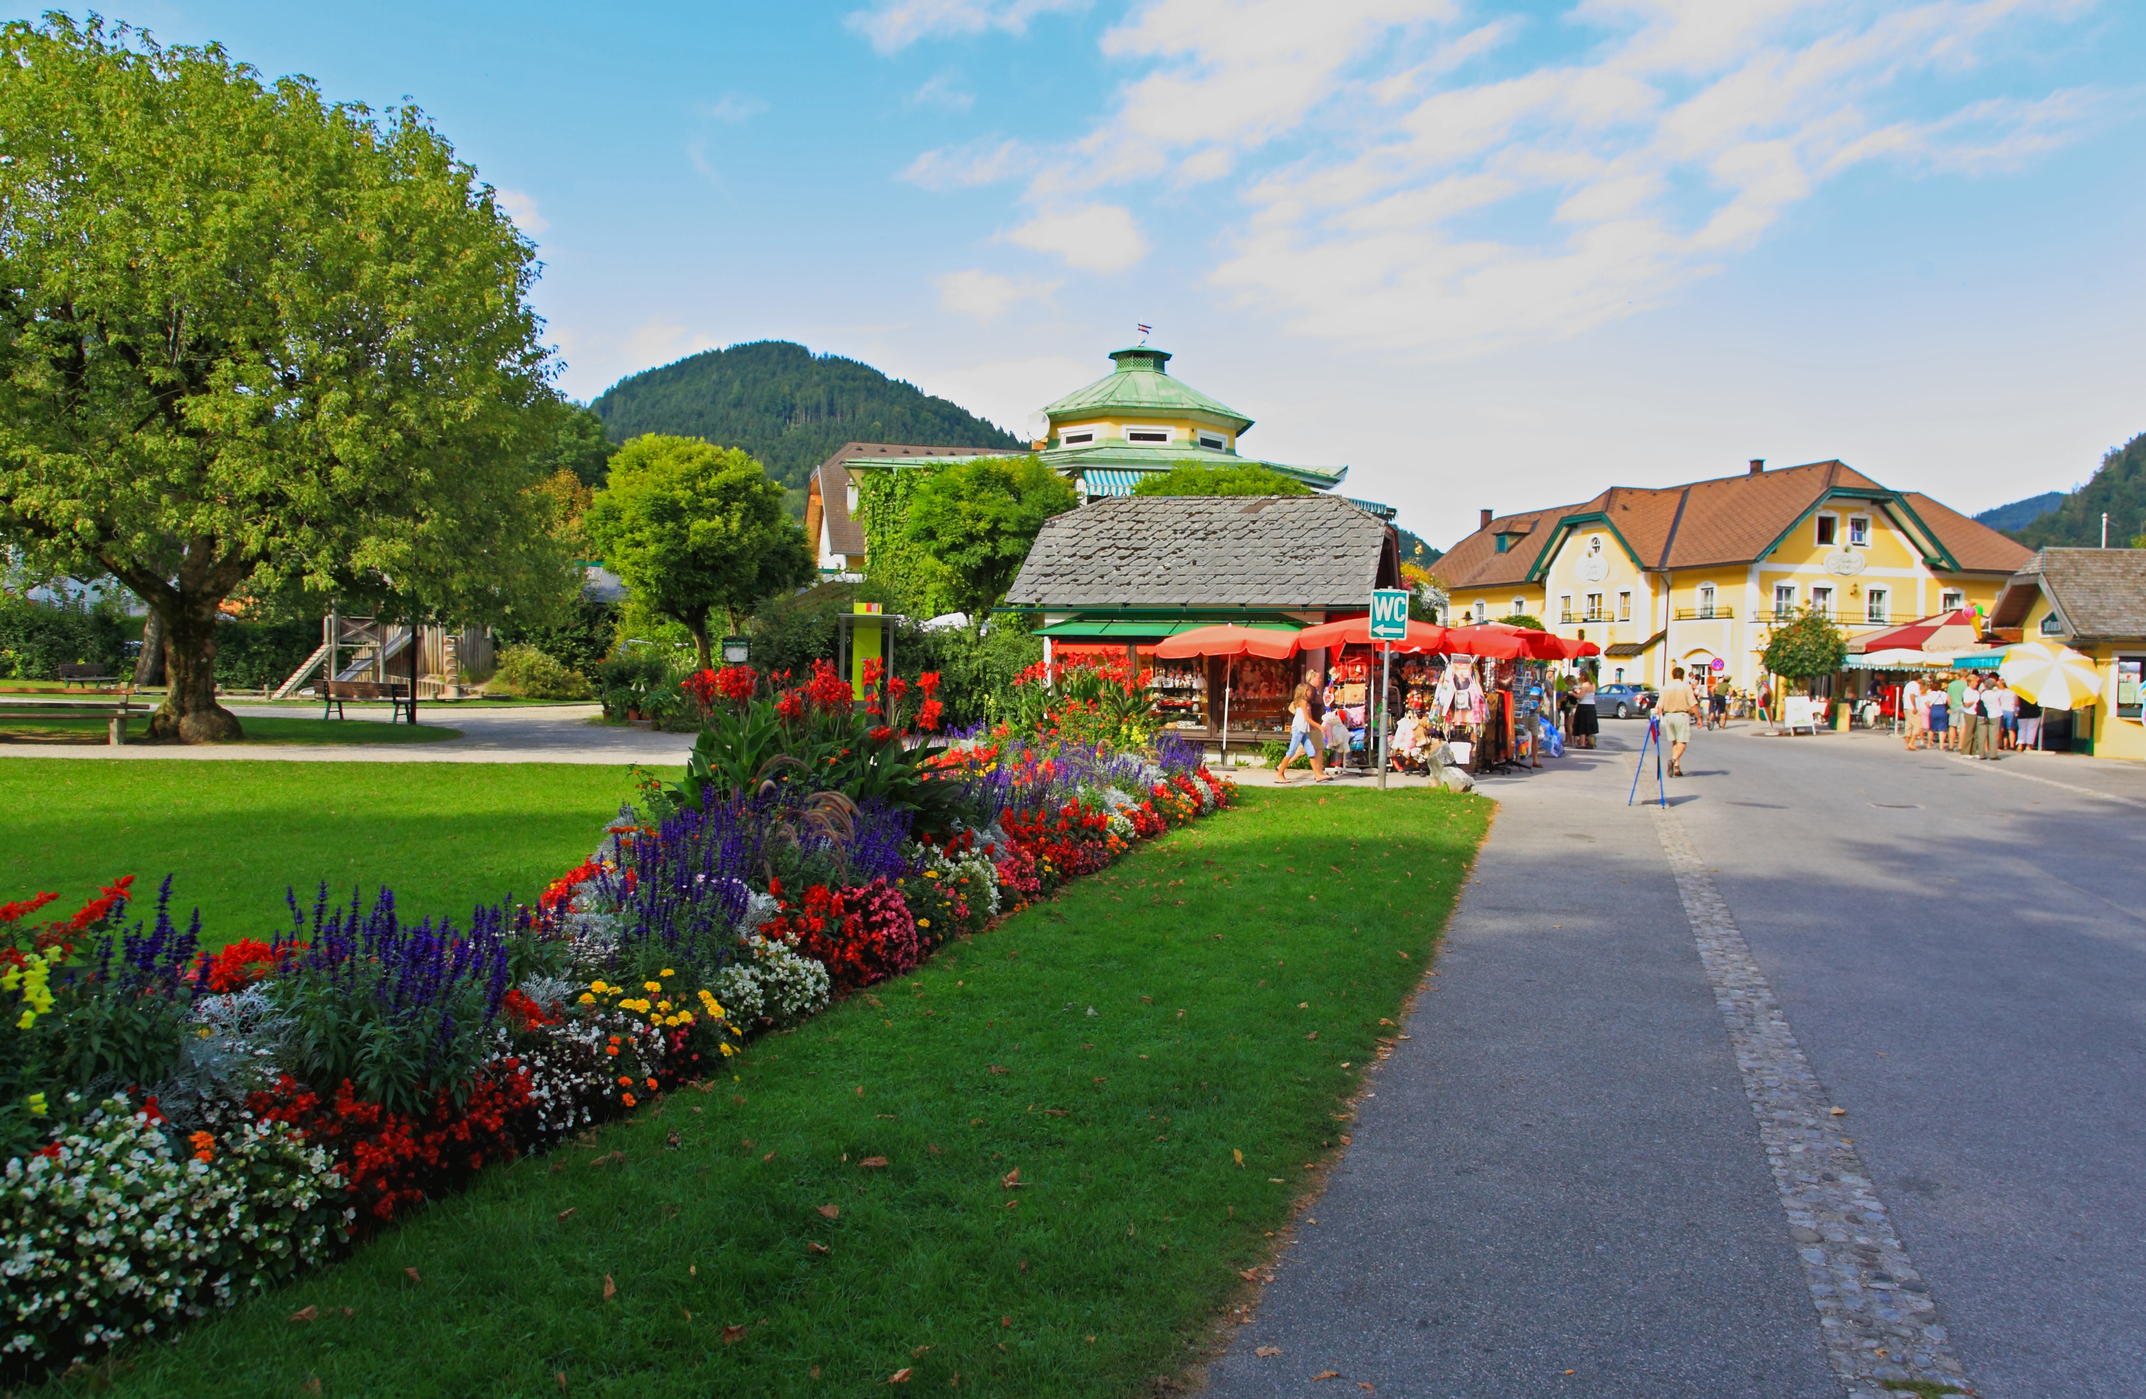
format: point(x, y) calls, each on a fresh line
point(626, 1098)
point(625, 1082)
point(611, 1049)
point(204, 1146)
point(651, 1085)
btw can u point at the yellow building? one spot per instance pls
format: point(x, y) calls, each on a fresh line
point(1697, 575)
point(2093, 600)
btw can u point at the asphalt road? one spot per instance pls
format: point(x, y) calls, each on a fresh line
point(1559, 1170)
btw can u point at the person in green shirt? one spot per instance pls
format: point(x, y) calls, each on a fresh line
point(1956, 692)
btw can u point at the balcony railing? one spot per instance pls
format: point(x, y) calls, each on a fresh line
point(1706, 614)
point(1566, 619)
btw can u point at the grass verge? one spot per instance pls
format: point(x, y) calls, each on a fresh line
point(258, 729)
point(444, 836)
point(1058, 1107)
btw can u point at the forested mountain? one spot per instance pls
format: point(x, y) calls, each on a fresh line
point(788, 407)
point(2119, 489)
point(2021, 513)
point(1415, 551)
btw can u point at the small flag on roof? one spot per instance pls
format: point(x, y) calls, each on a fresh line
point(1145, 330)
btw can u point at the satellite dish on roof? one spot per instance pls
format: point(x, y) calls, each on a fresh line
point(1039, 426)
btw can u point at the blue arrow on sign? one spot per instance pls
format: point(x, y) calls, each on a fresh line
point(1389, 614)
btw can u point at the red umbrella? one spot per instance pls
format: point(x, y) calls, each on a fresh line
point(1228, 639)
point(1493, 640)
point(1356, 631)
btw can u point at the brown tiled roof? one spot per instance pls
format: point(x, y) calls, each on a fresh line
point(845, 535)
point(1729, 519)
point(2099, 594)
point(1209, 552)
point(1979, 548)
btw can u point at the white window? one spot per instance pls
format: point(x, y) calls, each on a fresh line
point(1520, 606)
point(1951, 600)
point(1878, 608)
point(1624, 607)
point(1706, 599)
point(1822, 601)
point(1828, 530)
point(1147, 434)
point(1594, 607)
point(1214, 441)
point(1858, 531)
point(1564, 607)
point(1074, 439)
point(1784, 600)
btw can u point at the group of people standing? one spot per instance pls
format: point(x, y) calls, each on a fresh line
point(1974, 716)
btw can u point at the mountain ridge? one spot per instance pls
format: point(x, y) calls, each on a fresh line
point(787, 407)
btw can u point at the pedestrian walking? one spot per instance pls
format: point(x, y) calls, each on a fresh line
point(1586, 723)
point(1914, 714)
point(1956, 709)
point(1940, 721)
point(1989, 722)
point(1677, 706)
point(1717, 706)
point(1306, 734)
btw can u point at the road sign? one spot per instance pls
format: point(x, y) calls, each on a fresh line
point(1719, 664)
point(1389, 614)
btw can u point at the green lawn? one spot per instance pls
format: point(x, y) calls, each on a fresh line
point(442, 835)
point(275, 729)
point(1238, 974)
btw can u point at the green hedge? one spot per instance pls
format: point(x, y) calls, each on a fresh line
point(37, 638)
point(252, 654)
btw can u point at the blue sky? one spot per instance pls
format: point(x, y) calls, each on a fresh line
point(1485, 254)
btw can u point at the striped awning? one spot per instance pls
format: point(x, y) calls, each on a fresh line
point(1108, 480)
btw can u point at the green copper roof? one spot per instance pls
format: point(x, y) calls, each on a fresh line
point(1142, 387)
point(1161, 456)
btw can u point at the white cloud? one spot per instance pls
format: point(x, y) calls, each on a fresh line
point(986, 296)
point(1007, 391)
point(733, 107)
point(893, 25)
point(983, 162)
point(1391, 189)
point(1092, 237)
point(521, 208)
point(942, 92)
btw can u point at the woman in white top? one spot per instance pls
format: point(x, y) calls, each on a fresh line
point(1912, 711)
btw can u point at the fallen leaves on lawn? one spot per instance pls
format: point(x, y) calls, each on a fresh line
point(567, 1211)
point(1012, 1179)
point(610, 1288)
point(1327, 1375)
point(307, 1314)
point(1313, 1035)
point(816, 1248)
point(993, 1068)
point(1268, 1351)
point(830, 1211)
point(413, 1274)
point(733, 1334)
point(874, 1162)
point(1239, 1154)
point(900, 1376)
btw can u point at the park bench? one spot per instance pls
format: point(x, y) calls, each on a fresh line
point(115, 709)
point(334, 692)
point(74, 673)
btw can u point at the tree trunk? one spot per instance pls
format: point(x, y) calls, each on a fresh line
point(149, 665)
point(190, 713)
point(699, 628)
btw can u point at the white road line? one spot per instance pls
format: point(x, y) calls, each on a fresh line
point(1874, 1312)
point(2005, 766)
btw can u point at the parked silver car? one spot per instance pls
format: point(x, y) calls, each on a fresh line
point(1624, 701)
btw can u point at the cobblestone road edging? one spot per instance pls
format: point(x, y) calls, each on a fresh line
point(1874, 1311)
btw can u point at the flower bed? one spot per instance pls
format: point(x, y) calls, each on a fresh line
point(180, 1130)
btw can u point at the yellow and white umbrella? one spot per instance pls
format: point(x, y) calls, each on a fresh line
point(2052, 676)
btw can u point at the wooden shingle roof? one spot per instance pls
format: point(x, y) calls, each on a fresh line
point(1209, 552)
point(2099, 594)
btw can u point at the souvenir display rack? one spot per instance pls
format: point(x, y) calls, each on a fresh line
point(1180, 689)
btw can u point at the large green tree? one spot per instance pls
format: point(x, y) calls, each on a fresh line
point(1199, 478)
point(1806, 647)
point(254, 341)
point(979, 517)
point(691, 527)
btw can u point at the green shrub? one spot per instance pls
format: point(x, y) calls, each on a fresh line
point(526, 671)
point(584, 632)
point(37, 638)
point(252, 654)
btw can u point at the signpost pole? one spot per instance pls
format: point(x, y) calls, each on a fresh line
point(1385, 687)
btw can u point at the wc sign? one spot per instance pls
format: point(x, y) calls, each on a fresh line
point(1389, 614)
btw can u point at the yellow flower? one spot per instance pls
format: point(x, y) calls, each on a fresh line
point(727, 1050)
point(663, 1005)
point(598, 987)
point(666, 972)
point(37, 1102)
point(923, 922)
point(587, 999)
point(651, 986)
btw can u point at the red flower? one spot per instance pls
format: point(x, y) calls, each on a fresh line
point(791, 707)
point(12, 911)
point(244, 962)
point(928, 682)
point(881, 734)
point(928, 716)
point(737, 683)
